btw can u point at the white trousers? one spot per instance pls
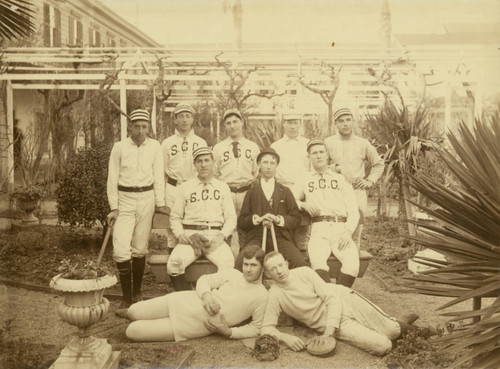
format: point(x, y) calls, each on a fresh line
point(365, 325)
point(324, 241)
point(183, 255)
point(133, 225)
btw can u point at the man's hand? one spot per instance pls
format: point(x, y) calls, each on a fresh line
point(210, 304)
point(364, 184)
point(216, 241)
point(294, 342)
point(345, 240)
point(256, 219)
point(313, 210)
point(199, 241)
point(218, 325)
point(111, 217)
point(163, 210)
point(184, 239)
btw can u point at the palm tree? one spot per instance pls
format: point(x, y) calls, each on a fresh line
point(16, 19)
point(468, 233)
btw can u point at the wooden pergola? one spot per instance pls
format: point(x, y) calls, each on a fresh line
point(189, 75)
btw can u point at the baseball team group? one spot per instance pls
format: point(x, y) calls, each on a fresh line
point(283, 210)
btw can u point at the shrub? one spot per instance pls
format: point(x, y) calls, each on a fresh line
point(81, 194)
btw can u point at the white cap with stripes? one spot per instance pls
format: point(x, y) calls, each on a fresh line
point(140, 114)
point(342, 111)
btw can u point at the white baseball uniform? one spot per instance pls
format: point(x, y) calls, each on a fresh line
point(334, 196)
point(134, 168)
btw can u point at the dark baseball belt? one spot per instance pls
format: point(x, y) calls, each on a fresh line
point(240, 189)
point(329, 218)
point(135, 189)
point(172, 181)
point(199, 227)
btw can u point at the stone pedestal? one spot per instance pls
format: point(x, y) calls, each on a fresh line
point(83, 306)
point(87, 355)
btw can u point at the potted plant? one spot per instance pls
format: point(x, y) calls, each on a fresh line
point(28, 199)
point(82, 285)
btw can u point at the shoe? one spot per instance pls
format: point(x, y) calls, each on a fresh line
point(409, 318)
point(137, 298)
point(122, 310)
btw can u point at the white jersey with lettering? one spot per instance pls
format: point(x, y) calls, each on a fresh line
point(178, 155)
point(331, 193)
point(201, 203)
point(236, 171)
point(294, 161)
point(135, 166)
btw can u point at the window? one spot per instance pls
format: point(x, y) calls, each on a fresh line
point(75, 32)
point(51, 26)
point(111, 42)
point(94, 38)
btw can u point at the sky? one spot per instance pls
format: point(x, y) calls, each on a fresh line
point(173, 22)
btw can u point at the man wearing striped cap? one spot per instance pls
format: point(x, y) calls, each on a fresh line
point(329, 199)
point(135, 186)
point(349, 154)
point(177, 156)
point(202, 218)
point(236, 163)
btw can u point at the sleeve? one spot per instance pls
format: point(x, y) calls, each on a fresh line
point(210, 282)
point(376, 163)
point(229, 212)
point(351, 205)
point(217, 160)
point(326, 294)
point(245, 219)
point(252, 329)
point(255, 167)
point(292, 216)
point(298, 192)
point(177, 213)
point(113, 175)
point(159, 176)
point(271, 314)
point(166, 156)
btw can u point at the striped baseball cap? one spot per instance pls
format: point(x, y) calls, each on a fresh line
point(230, 112)
point(315, 141)
point(342, 111)
point(204, 150)
point(140, 114)
point(182, 107)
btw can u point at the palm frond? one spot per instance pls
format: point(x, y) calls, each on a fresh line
point(467, 231)
point(16, 19)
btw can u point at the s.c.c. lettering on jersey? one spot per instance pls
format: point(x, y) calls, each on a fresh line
point(204, 195)
point(184, 146)
point(226, 154)
point(322, 184)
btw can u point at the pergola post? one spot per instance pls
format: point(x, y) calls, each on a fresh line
point(447, 105)
point(123, 107)
point(10, 136)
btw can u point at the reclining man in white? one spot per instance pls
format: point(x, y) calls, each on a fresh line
point(331, 309)
point(221, 301)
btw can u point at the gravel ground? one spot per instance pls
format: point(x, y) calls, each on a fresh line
point(32, 317)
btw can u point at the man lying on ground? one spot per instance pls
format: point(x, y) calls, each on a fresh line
point(333, 310)
point(221, 301)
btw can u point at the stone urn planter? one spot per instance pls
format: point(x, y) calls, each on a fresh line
point(83, 306)
point(27, 199)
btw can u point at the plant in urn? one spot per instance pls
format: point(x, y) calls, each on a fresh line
point(82, 286)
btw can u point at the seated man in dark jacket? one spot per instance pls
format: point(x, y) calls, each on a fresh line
point(266, 203)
